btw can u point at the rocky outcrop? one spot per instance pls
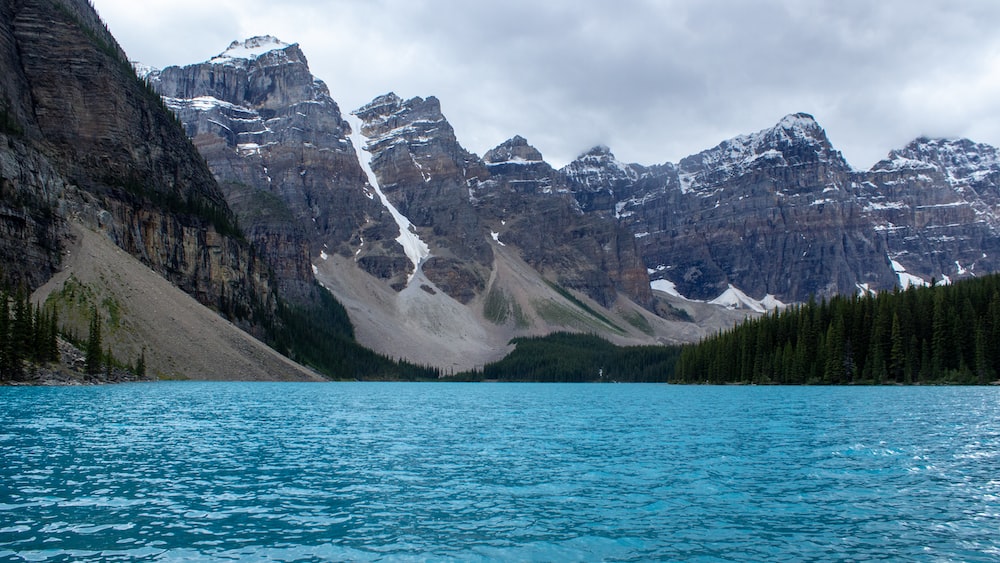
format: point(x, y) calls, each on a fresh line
point(460, 202)
point(426, 174)
point(533, 209)
point(88, 139)
point(780, 213)
point(936, 204)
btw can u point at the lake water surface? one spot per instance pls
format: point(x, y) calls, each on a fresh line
point(533, 472)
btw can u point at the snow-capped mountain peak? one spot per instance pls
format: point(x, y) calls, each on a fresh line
point(795, 140)
point(800, 125)
point(250, 49)
point(598, 168)
point(957, 159)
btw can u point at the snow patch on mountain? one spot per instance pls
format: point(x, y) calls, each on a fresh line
point(906, 279)
point(415, 248)
point(249, 49)
point(733, 298)
point(666, 286)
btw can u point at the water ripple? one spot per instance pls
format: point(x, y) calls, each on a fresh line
point(371, 472)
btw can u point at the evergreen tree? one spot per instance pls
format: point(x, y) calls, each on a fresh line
point(940, 335)
point(5, 342)
point(20, 335)
point(52, 342)
point(983, 370)
point(897, 351)
point(140, 364)
point(94, 351)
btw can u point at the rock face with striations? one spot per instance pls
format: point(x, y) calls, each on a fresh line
point(84, 137)
point(936, 203)
point(534, 209)
point(425, 174)
point(780, 213)
point(279, 146)
point(459, 202)
point(771, 213)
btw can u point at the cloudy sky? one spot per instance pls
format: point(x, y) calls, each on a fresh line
point(655, 80)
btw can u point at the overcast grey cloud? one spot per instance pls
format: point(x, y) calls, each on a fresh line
point(655, 80)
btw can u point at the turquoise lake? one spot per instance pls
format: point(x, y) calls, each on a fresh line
point(483, 472)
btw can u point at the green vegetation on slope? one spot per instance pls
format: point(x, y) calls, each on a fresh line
point(583, 306)
point(322, 338)
point(27, 335)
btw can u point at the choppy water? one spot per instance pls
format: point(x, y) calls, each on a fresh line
point(360, 472)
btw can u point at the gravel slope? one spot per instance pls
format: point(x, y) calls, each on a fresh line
point(182, 339)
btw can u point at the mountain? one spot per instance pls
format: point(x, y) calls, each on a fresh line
point(779, 215)
point(279, 147)
point(440, 255)
point(86, 144)
point(771, 214)
point(936, 202)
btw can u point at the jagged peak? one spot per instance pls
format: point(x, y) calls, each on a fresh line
point(778, 145)
point(143, 70)
point(800, 122)
point(598, 151)
point(598, 166)
point(515, 149)
point(958, 157)
point(250, 49)
point(379, 104)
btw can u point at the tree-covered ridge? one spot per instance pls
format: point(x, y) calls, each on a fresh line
point(936, 334)
point(566, 357)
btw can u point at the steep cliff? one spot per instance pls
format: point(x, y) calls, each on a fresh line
point(424, 172)
point(773, 214)
point(779, 215)
point(936, 202)
point(123, 163)
point(277, 143)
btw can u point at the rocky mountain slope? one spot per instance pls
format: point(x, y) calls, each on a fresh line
point(936, 203)
point(92, 142)
point(88, 147)
point(400, 221)
point(779, 215)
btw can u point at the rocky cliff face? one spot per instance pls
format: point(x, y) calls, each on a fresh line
point(780, 213)
point(85, 138)
point(533, 209)
point(424, 172)
point(459, 202)
point(772, 213)
point(936, 204)
point(278, 144)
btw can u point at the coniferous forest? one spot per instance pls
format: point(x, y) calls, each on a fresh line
point(936, 334)
point(944, 334)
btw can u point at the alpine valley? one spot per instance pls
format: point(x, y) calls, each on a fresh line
point(277, 199)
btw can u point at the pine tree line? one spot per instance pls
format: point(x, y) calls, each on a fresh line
point(28, 334)
point(935, 334)
point(567, 357)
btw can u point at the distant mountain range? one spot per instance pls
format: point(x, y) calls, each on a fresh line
point(439, 255)
point(760, 220)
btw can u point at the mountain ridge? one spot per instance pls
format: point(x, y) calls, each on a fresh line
point(759, 220)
